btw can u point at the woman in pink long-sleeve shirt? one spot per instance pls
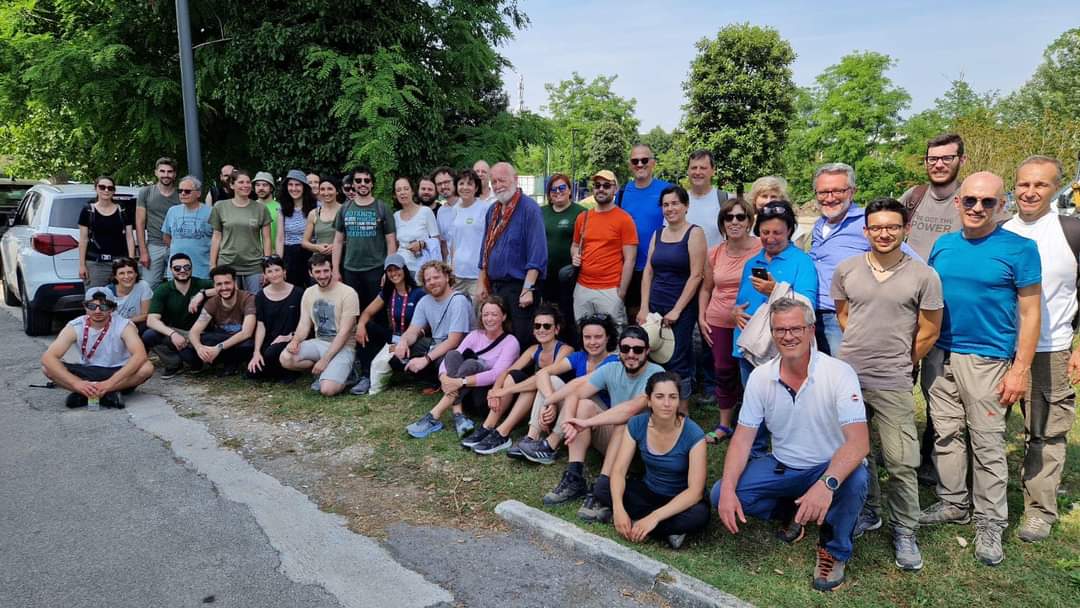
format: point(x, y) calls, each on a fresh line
point(469, 370)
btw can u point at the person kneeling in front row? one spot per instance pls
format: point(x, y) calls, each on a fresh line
point(670, 501)
point(816, 473)
point(111, 355)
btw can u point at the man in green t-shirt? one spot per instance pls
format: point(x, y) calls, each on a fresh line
point(365, 236)
point(151, 205)
point(264, 192)
point(173, 310)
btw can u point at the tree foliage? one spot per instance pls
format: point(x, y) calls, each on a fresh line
point(740, 100)
point(609, 149)
point(1054, 89)
point(318, 85)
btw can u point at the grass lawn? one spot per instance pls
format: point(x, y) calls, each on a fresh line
point(753, 565)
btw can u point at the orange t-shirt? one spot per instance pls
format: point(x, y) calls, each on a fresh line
point(601, 254)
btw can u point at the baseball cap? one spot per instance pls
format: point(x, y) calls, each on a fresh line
point(394, 259)
point(99, 293)
point(605, 174)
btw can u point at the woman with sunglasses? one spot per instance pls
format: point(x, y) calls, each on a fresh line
point(716, 305)
point(669, 500)
point(559, 213)
point(132, 294)
point(320, 232)
point(670, 281)
point(297, 202)
point(277, 313)
point(241, 234)
point(466, 233)
point(377, 337)
point(105, 234)
point(517, 385)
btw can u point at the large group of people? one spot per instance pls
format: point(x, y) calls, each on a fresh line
point(593, 327)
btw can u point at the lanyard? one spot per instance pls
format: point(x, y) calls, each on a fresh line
point(400, 327)
point(97, 343)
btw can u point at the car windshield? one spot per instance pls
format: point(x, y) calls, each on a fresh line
point(66, 209)
point(10, 196)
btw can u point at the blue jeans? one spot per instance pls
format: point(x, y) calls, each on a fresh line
point(828, 333)
point(768, 491)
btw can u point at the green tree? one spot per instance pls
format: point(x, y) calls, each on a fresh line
point(318, 85)
point(851, 115)
point(1054, 89)
point(608, 149)
point(740, 100)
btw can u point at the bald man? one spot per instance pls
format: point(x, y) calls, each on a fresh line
point(981, 363)
point(483, 170)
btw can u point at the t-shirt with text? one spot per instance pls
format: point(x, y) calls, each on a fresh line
point(329, 309)
point(365, 229)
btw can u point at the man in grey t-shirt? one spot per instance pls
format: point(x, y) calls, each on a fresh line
point(152, 203)
point(887, 284)
point(443, 314)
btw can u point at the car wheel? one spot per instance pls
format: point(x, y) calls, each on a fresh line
point(35, 322)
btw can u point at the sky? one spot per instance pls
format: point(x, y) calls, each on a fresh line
point(993, 45)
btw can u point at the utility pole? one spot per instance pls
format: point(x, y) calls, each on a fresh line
point(187, 84)
point(573, 165)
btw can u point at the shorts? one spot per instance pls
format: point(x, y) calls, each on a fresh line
point(91, 373)
point(340, 366)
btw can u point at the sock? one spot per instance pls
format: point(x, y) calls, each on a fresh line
point(577, 468)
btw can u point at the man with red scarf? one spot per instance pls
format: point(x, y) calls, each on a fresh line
point(514, 256)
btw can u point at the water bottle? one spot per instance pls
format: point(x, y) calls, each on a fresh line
point(93, 404)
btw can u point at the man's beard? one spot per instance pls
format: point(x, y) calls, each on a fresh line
point(504, 196)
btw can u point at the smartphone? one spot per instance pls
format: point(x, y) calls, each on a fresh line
point(759, 273)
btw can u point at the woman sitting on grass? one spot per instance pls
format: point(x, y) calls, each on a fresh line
point(399, 296)
point(670, 501)
point(598, 338)
point(469, 370)
point(517, 385)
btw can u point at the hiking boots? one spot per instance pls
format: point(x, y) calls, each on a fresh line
point(829, 572)
point(988, 542)
point(1033, 529)
point(571, 486)
point(944, 513)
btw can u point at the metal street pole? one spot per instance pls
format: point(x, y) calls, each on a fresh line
point(573, 165)
point(187, 83)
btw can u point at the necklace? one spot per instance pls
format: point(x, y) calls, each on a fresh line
point(884, 270)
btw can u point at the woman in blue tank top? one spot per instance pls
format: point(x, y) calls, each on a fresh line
point(670, 282)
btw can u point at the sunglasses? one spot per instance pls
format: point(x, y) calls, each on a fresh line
point(539, 326)
point(771, 210)
point(639, 161)
point(987, 203)
point(627, 349)
point(182, 268)
point(185, 190)
point(559, 188)
point(603, 185)
point(735, 217)
point(105, 188)
point(594, 318)
point(362, 180)
point(96, 306)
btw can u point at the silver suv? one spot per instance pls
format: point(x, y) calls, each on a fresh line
point(40, 252)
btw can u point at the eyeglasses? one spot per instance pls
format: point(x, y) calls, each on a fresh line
point(185, 190)
point(104, 188)
point(96, 306)
point(987, 203)
point(735, 217)
point(560, 188)
point(627, 349)
point(837, 193)
point(890, 228)
point(948, 159)
point(182, 268)
point(640, 161)
point(602, 185)
point(539, 326)
point(363, 180)
point(796, 332)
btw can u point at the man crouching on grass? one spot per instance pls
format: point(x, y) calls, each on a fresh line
point(111, 355)
point(812, 404)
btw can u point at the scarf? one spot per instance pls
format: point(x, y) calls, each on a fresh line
point(500, 219)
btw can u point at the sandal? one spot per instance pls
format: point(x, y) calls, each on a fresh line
point(719, 434)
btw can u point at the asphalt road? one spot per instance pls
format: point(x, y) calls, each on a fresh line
point(141, 508)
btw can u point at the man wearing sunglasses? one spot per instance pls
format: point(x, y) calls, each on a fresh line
point(187, 229)
point(151, 205)
point(1050, 405)
point(604, 248)
point(365, 235)
point(111, 357)
point(588, 422)
point(173, 310)
point(981, 363)
point(813, 406)
point(641, 199)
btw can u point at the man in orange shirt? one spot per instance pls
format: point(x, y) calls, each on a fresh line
point(604, 248)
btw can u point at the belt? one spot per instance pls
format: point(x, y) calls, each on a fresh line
point(100, 257)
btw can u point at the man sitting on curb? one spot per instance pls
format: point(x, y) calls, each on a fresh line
point(812, 404)
point(331, 307)
point(111, 356)
point(589, 423)
point(224, 328)
point(172, 313)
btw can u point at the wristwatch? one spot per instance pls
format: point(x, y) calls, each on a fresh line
point(528, 287)
point(830, 482)
point(220, 346)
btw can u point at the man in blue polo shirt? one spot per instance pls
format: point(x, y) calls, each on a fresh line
point(514, 254)
point(837, 236)
point(641, 199)
point(981, 363)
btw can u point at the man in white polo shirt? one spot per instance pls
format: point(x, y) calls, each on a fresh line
point(812, 404)
point(1050, 403)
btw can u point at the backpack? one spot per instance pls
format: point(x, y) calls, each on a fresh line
point(1071, 227)
point(913, 202)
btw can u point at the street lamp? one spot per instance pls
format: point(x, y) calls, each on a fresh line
point(187, 84)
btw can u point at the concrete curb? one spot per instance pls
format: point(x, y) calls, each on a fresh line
point(673, 585)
